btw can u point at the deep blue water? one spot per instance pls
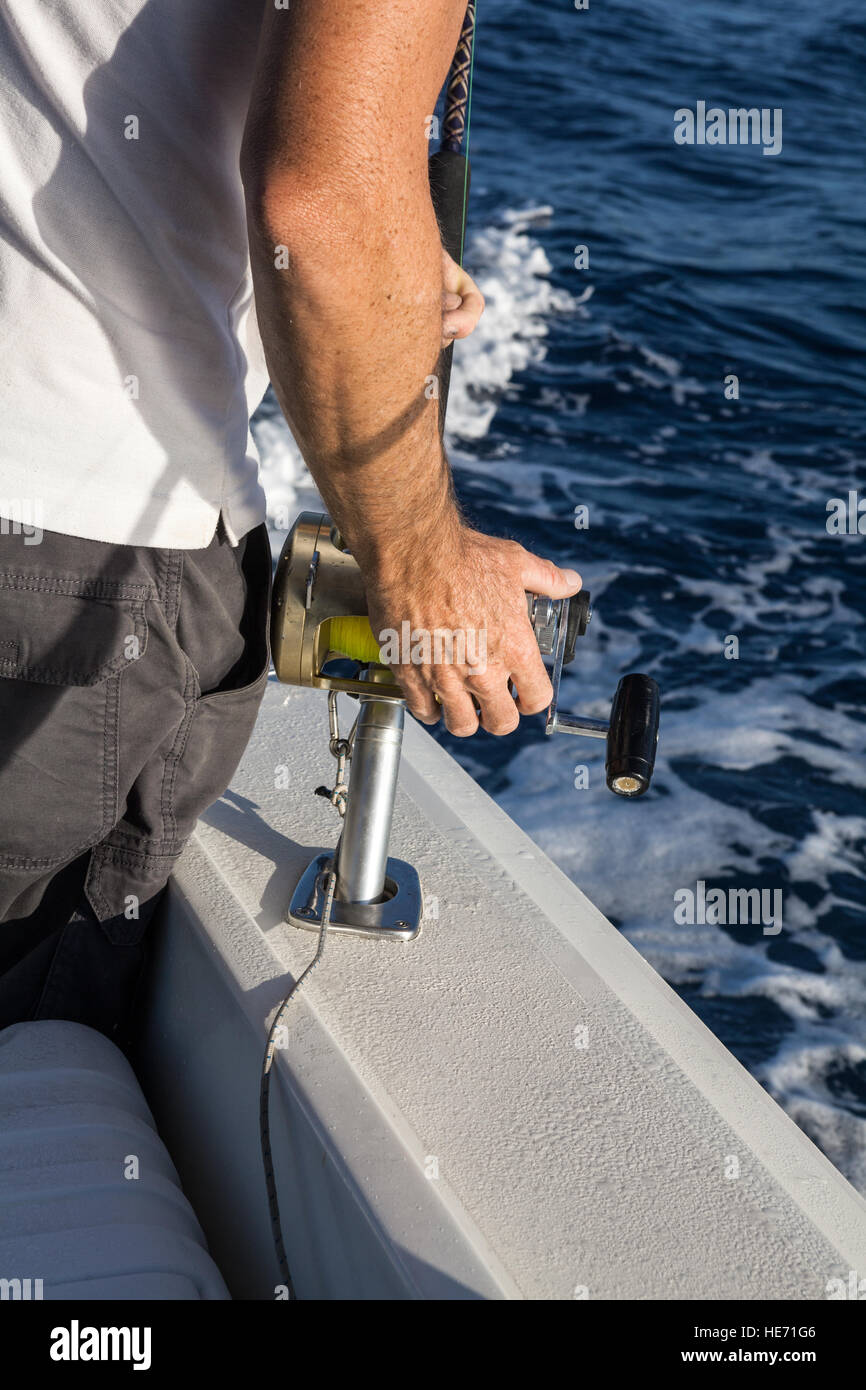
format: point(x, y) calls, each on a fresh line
point(707, 516)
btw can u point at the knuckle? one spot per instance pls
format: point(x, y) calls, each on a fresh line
point(448, 683)
point(426, 714)
point(549, 571)
point(508, 549)
point(535, 694)
point(462, 728)
point(487, 681)
point(503, 724)
point(524, 651)
point(534, 704)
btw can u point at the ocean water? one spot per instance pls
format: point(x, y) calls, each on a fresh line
point(604, 387)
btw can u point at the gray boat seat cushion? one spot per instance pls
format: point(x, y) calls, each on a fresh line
point(90, 1202)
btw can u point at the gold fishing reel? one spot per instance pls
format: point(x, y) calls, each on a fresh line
point(321, 637)
point(319, 617)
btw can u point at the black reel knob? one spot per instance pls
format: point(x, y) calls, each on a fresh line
point(633, 735)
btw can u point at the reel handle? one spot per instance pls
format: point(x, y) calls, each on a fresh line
point(633, 730)
point(633, 735)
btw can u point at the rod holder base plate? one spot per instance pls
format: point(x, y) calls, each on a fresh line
point(398, 918)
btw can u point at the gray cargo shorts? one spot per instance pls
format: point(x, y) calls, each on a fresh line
point(130, 680)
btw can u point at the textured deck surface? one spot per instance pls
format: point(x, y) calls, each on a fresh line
point(513, 1105)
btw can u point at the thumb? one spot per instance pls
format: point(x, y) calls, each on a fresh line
point(544, 577)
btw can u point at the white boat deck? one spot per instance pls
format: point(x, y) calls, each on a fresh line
point(439, 1131)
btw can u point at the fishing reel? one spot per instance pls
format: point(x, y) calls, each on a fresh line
point(321, 638)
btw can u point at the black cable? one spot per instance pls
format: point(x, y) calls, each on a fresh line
point(330, 878)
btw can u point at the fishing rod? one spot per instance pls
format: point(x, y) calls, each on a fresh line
point(450, 173)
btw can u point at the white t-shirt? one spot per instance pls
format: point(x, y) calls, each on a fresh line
point(130, 359)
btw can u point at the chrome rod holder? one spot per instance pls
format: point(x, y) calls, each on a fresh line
point(375, 896)
point(362, 853)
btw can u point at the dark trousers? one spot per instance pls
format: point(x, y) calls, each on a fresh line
point(130, 680)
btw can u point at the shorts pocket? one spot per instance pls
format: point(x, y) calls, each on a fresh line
point(223, 721)
point(64, 645)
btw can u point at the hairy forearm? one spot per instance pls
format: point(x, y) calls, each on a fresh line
point(348, 290)
point(335, 171)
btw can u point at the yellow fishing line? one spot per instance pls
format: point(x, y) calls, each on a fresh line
point(353, 637)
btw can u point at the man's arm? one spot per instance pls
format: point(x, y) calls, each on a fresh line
point(335, 170)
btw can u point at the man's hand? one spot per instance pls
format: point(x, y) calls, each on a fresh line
point(472, 591)
point(462, 301)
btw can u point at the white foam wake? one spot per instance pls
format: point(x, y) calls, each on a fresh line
point(512, 272)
